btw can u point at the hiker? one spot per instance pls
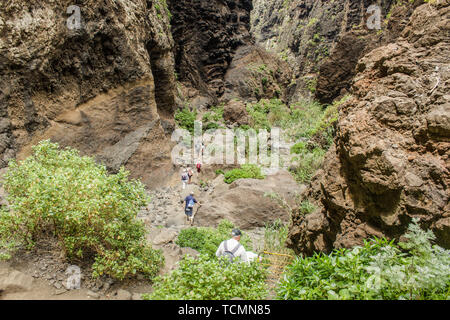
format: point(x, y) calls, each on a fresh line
point(232, 248)
point(190, 174)
point(198, 148)
point(199, 166)
point(184, 178)
point(189, 207)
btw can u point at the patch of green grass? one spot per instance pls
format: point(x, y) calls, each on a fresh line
point(246, 171)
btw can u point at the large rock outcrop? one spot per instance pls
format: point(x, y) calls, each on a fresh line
point(207, 34)
point(337, 71)
point(390, 162)
point(248, 203)
point(256, 74)
point(106, 88)
point(305, 32)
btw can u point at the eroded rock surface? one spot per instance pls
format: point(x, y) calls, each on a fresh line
point(96, 88)
point(390, 161)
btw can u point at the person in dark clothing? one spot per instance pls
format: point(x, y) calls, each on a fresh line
point(190, 202)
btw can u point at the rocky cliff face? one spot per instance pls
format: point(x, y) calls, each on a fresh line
point(337, 71)
point(207, 34)
point(390, 161)
point(106, 88)
point(305, 32)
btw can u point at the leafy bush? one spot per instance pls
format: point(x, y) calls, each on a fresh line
point(186, 119)
point(211, 126)
point(207, 240)
point(275, 237)
point(246, 171)
point(219, 172)
point(210, 279)
point(92, 213)
point(216, 114)
point(378, 270)
point(267, 113)
point(298, 148)
point(308, 163)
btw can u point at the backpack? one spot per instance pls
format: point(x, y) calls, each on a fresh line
point(184, 176)
point(230, 255)
point(191, 203)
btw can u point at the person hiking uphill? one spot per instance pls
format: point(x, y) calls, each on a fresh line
point(184, 178)
point(232, 248)
point(189, 206)
point(190, 174)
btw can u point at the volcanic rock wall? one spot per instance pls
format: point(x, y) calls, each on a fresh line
point(390, 162)
point(106, 83)
point(305, 32)
point(207, 34)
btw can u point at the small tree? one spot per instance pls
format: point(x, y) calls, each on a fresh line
point(91, 212)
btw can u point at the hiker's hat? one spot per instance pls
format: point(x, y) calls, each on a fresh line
point(236, 232)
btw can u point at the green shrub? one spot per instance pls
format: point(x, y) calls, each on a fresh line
point(246, 171)
point(211, 126)
point(207, 240)
point(307, 207)
point(275, 237)
point(186, 119)
point(298, 148)
point(219, 172)
point(309, 162)
point(210, 279)
point(90, 212)
point(267, 113)
point(377, 270)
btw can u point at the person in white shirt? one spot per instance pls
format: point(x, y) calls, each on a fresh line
point(232, 248)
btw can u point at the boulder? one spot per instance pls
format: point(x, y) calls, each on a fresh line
point(123, 295)
point(247, 202)
point(236, 112)
point(389, 163)
point(14, 280)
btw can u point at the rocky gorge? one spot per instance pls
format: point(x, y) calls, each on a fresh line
point(111, 88)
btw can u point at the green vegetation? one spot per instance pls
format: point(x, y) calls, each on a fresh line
point(90, 212)
point(162, 4)
point(213, 119)
point(311, 83)
point(186, 119)
point(204, 278)
point(267, 113)
point(308, 162)
point(215, 114)
point(206, 240)
point(219, 172)
point(312, 22)
point(246, 171)
point(306, 207)
point(315, 127)
point(275, 237)
point(209, 278)
point(378, 270)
